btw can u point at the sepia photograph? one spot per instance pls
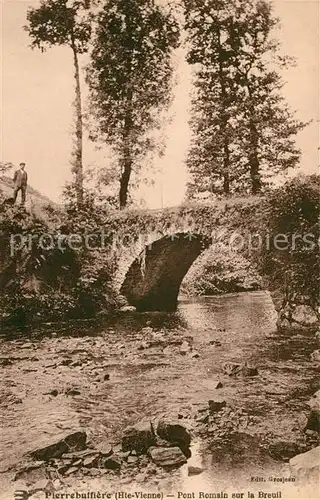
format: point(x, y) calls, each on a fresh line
point(159, 249)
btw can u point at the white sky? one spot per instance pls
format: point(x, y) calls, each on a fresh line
point(37, 94)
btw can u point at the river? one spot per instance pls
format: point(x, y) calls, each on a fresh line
point(105, 377)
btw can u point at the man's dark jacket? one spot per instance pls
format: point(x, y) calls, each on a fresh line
point(20, 178)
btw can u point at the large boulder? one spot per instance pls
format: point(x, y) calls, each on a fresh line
point(56, 448)
point(314, 401)
point(304, 315)
point(297, 317)
point(174, 432)
point(138, 437)
point(167, 457)
point(306, 466)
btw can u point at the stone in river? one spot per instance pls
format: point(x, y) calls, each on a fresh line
point(313, 423)
point(143, 346)
point(113, 463)
point(231, 368)
point(315, 356)
point(185, 348)
point(249, 371)
point(216, 405)
point(167, 457)
point(195, 354)
point(91, 461)
point(79, 454)
point(70, 471)
point(244, 369)
point(127, 309)
point(216, 384)
point(314, 401)
point(73, 392)
point(42, 484)
point(147, 330)
point(174, 432)
point(138, 437)
point(31, 473)
point(203, 419)
point(283, 451)
point(306, 466)
point(194, 471)
point(105, 449)
point(56, 448)
point(53, 393)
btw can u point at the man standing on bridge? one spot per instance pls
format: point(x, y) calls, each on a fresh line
point(20, 180)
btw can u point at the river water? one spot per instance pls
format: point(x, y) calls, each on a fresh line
point(106, 377)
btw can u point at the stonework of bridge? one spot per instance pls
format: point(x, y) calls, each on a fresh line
point(154, 258)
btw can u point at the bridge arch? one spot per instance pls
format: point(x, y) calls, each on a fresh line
point(153, 279)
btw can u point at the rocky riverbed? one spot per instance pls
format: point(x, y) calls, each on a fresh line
point(203, 398)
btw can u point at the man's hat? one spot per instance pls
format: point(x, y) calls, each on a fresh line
point(22, 163)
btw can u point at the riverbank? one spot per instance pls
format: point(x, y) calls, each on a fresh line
point(105, 377)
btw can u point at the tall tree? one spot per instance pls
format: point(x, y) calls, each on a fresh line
point(213, 159)
point(268, 127)
point(130, 78)
point(65, 22)
point(243, 130)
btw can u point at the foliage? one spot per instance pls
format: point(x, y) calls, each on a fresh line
point(42, 276)
point(218, 271)
point(130, 79)
point(59, 22)
point(243, 130)
point(293, 212)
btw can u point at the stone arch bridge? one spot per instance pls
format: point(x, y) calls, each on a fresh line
point(155, 249)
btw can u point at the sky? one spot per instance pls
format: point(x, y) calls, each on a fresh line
point(37, 91)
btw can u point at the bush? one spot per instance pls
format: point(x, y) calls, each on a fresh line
point(293, 211)
point(51, 283)
point(219, 271)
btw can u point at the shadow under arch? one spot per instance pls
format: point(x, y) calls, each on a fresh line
point(153, 280)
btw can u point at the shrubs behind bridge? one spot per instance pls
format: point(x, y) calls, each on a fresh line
point(293, 212)
point(218, 271)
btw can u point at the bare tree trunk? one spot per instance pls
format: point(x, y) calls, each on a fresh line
point(226, 174)
point(127, 131)
point(78, 168)
point(127, 162)
point(254, 162)
point(124, 184)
